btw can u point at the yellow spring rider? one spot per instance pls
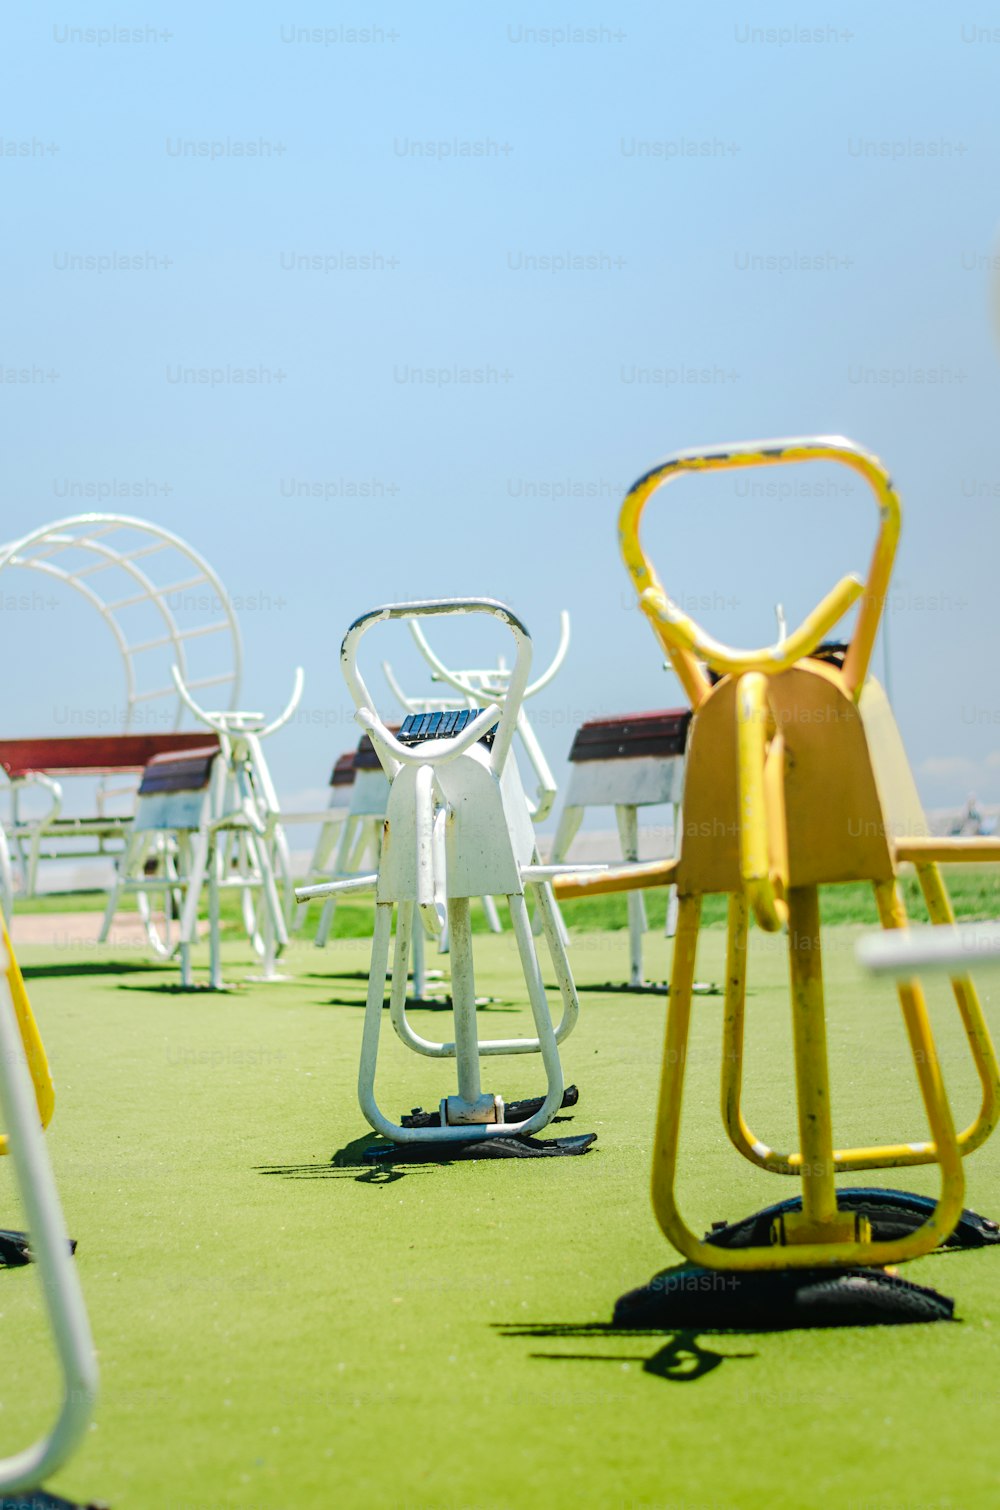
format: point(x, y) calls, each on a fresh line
point(796, 778)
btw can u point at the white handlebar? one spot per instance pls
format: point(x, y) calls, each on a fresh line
point(237, 722)
point(471, 682)
point(507, 700)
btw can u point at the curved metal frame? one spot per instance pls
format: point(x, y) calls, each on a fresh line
point(684, 640)
point(90, 533)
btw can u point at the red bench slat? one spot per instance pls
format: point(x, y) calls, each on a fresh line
point(343, 771)
point(632, 734)
point(365, 758)
point(92, 754)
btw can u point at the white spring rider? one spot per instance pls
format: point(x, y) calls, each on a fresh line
point(458, 825)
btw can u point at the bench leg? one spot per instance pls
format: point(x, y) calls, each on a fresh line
point(628, 832)
point(341, 867)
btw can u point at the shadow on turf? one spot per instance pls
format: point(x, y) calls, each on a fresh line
point(349, 1163)
point(92, 967)
point(681, 1359)
point(430, 1004)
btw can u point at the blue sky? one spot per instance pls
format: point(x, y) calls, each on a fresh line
point(777, 221)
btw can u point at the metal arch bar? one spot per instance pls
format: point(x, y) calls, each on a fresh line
point(136, 555)
point(57, 543)
point(194, 633)
point(202, 681)
point(86, 591)
point(166, 588)
point(153, 594)
point(763, 453)
point(53, 538)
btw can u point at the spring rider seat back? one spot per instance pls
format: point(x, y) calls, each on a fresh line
point(796, 779)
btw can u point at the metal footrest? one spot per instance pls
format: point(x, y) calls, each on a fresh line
point(514, 1111)
point(892, 1214)
point(520, 1147)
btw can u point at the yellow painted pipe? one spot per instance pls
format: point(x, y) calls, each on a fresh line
point(620, 878)
point(34, 1049)
point(680, 638)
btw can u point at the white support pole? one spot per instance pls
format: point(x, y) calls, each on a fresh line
point(341, 867)
point(373, 1015)
point(418, 955)
point(492, 915)
point(51, 1250)
point(463, 995)
point(628, 831)
point(215, 860)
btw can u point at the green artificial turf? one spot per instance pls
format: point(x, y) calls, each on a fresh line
point(974, 891)
point(278, 1327)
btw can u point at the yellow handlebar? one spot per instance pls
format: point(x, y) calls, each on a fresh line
point(685, 642)
point(803, 641)
point(34, 1049)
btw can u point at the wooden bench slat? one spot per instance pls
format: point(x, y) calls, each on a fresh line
point(177, 772)
point(365, 758)
point(343, 771)
point(630, 735)
point(91, 754)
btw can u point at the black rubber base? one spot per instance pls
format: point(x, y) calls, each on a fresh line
point(696, 1299)
point(514, 1111)
point(15, 1251)
point(479, 1148)
point(893, 1214)
point(439, 1003)
point(651, 988)
point(38, 1499)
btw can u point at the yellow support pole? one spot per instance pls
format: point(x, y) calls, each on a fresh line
point(941, 913)
point(819, 1220)
point(943, 1148)
point(668, 1114)
point(619, 878)
point(977, 850)
point(34, 1049)
point(752, 717)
